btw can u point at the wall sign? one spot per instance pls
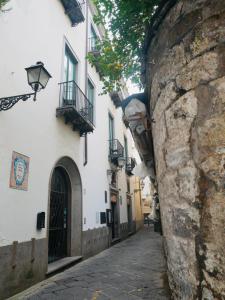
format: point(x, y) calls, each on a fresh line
point(19, 171)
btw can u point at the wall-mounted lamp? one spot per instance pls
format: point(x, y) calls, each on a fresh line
point(109, 175)
point(142, 184)
point(121, 162)
point(37, 77)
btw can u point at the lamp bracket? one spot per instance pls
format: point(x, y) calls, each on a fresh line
point(8, 102)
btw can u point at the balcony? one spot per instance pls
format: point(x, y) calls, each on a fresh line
point(73, 8)
point(75, 107)
point(115, 151)
point(116, 97)
point(130, 164)
point(93, 46)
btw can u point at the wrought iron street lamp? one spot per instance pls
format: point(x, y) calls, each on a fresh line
point(37, 77)
point(121, 162)
point(142, 184)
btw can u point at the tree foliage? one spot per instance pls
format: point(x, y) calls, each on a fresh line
point(2, 3)
point(121, 48)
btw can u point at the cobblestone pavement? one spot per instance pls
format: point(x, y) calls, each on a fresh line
point(131, 270)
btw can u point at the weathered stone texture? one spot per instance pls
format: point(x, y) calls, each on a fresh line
point(22, 265)
point(94, 241)
point(185, 79)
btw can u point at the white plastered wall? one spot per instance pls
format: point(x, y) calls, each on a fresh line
point(37, 31)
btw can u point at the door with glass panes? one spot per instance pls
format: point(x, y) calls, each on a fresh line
point(70, 68)
point(111, 135)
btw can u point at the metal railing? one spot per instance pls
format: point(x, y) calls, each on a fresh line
point(115, 149)
point(72, 95)
point(75, 10)
point(130, 164)
point(93, 44)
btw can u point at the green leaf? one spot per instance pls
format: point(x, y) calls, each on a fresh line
point(121, 48)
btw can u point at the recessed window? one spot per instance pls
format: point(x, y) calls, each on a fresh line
point(111, 128)
point(93, 40)
point(91, 92)
point(70, 65)
point(91, 97)
point(125, 147)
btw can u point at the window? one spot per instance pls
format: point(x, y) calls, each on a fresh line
point(93, 39)
point(91, 98)
point(111, 127)
point(70, 66)
point(125, 147)
point(111, 133)
point(91, 92)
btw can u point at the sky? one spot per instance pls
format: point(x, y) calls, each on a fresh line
point(132, 89)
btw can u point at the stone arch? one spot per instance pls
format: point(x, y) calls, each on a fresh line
point(75, 204)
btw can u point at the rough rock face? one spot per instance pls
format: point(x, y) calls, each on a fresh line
point(185, 78)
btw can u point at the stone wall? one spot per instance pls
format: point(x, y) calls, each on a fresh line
point(185, 79)
point(22, 265)
point(98, 239)
point(94, 241)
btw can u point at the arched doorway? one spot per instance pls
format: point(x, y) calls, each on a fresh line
point(59, 215)
point(65, 211)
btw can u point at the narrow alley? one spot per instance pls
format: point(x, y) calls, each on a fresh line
point(132, 269)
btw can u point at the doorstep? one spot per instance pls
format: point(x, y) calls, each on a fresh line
point(115, 241)
point(62, 264)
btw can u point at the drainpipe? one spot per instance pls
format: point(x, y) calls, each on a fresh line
point(86, 75)
point(86, 47)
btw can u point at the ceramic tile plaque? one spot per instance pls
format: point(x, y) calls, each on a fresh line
point(19, 171)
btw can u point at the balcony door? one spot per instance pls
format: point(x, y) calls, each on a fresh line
point(125, 148)
point(70, 68)
point(93, 40)
point(111, 134)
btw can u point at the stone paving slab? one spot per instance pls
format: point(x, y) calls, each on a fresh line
point(131, 270)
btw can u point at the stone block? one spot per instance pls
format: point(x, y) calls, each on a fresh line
point(185, 222)
point(168, 189)
point(187, 182)
point(212, 133)
point(183, 26)
point(217, 96)
point(208, 34)
point(200, 70)
point(166, 97)
point(159, 126)
point(181, 265)
point(170, 64)
point(94, 241)
point(213, 167)
point(179, 119)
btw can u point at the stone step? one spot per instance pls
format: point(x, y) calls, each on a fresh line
point(63, 263)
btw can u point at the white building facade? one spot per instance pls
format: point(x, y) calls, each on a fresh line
point(73, 200)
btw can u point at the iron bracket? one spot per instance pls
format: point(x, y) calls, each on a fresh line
point(8, 102)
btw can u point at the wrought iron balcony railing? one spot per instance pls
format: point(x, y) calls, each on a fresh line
point(116, 150)
point(130, 164)
point(93, 45)
point(75, 107)
point(73, 8)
